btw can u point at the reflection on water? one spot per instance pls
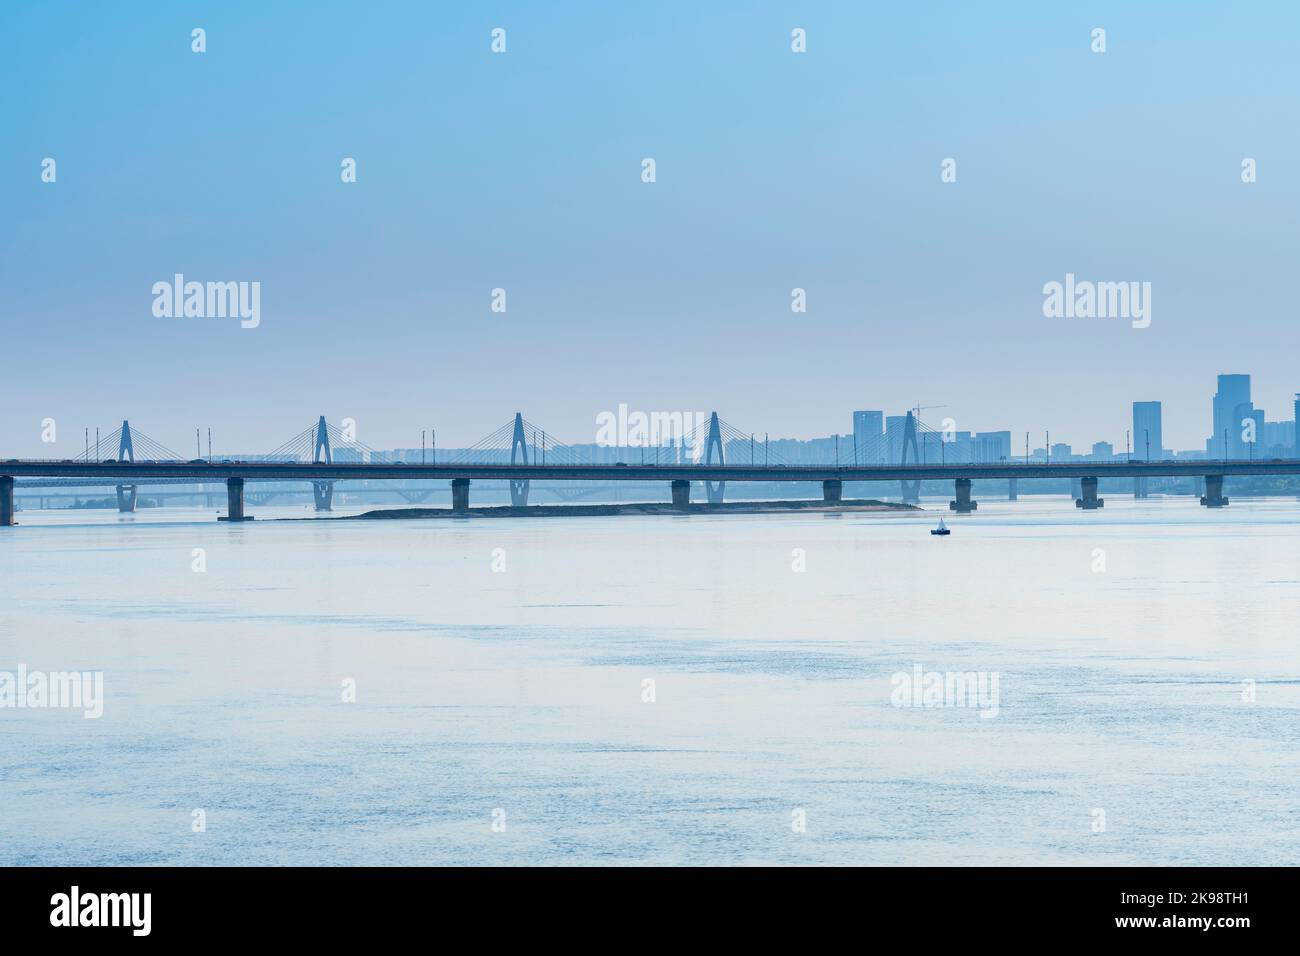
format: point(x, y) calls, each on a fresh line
point(506, 664)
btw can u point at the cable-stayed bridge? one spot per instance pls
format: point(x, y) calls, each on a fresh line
point(521, 452)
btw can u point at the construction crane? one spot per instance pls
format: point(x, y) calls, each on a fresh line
point(917, 409)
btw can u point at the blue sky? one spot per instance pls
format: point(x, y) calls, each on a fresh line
point(522, 171)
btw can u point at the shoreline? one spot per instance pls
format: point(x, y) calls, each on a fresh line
point(630, 508)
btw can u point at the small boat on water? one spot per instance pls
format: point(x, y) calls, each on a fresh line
point(941, 529)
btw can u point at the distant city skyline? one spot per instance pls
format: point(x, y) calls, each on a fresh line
point(1230, 403)
point(878, 438)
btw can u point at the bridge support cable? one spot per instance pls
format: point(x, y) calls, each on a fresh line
point(140, 446)
point(320, 436)
point(297, 448)
point(717, 442)
point(523, 442)
point(321, 444)
point(131, 445)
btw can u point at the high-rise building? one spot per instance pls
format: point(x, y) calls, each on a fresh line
point(1148, 439)
point(1225, 440)
point(960, 447)
point(1244, 439)
point(952, 447)
point(1103, 451)
point(931, 447)
point(868, 437)
point(895, 430)
point(1295, 409)
point(991, 447)
point(1276, 440)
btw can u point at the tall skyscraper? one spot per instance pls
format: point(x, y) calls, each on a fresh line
point(1244, 439)
point(1148, 439)
point(1296, 411)
point(991, 447)
point(1225, 440)
point(869, 437)
point(895, 430)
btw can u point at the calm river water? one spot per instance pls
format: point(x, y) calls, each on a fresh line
point(658, 689)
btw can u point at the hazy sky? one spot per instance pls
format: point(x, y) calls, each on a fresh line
point(522, 170)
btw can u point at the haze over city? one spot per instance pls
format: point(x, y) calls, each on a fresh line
point(774, 172)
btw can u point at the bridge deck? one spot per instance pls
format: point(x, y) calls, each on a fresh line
point(275, 471)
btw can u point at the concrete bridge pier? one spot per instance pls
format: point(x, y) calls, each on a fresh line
point(832, 491)
point(1076, 489)
point(235, 501)
point(963, 505)
point(126, 497)
point(460, 494)
point(681, 493)
point(6, 501)
point(1088, 499)
point(1012, 489)
point(1140, 488)
point(1213, 497)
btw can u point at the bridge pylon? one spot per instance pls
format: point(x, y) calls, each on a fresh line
point(713, 491)
point(910, 490)
point(322, 491)
point(519, 447)
point(126, 494)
